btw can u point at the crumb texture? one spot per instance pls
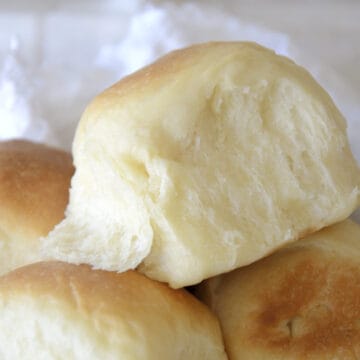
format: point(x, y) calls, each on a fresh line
point(178, 165)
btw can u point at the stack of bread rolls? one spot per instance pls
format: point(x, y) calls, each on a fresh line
point(222, 163)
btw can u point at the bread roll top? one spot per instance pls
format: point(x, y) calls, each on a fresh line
point(62, 311)
point(34, 192)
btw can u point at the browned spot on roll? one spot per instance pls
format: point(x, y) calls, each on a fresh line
point(312, 307)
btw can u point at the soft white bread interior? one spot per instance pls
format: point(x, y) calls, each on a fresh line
point(55, 310)
point(205, 161)
point(34, 192)
point(302, 302)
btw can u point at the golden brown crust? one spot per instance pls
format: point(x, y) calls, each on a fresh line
point(302, 302)
point(34, 183)
point(313, 307)
point(97, 288)
point(118, 315)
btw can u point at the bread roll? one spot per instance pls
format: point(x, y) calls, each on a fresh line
point(205, 161)
point(302, 302)
point(34, 188)
point(55, 310)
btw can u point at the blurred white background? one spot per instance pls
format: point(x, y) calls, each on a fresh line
point(56, 55)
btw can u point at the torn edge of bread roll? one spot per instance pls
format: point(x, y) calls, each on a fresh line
point(302, 302)
point(205, 161)
point(63, 311)
point(34, 192)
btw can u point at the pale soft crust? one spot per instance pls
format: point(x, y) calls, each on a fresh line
point(34, 192)
point(205, 161)
point(302, 302)
point(63, 311)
